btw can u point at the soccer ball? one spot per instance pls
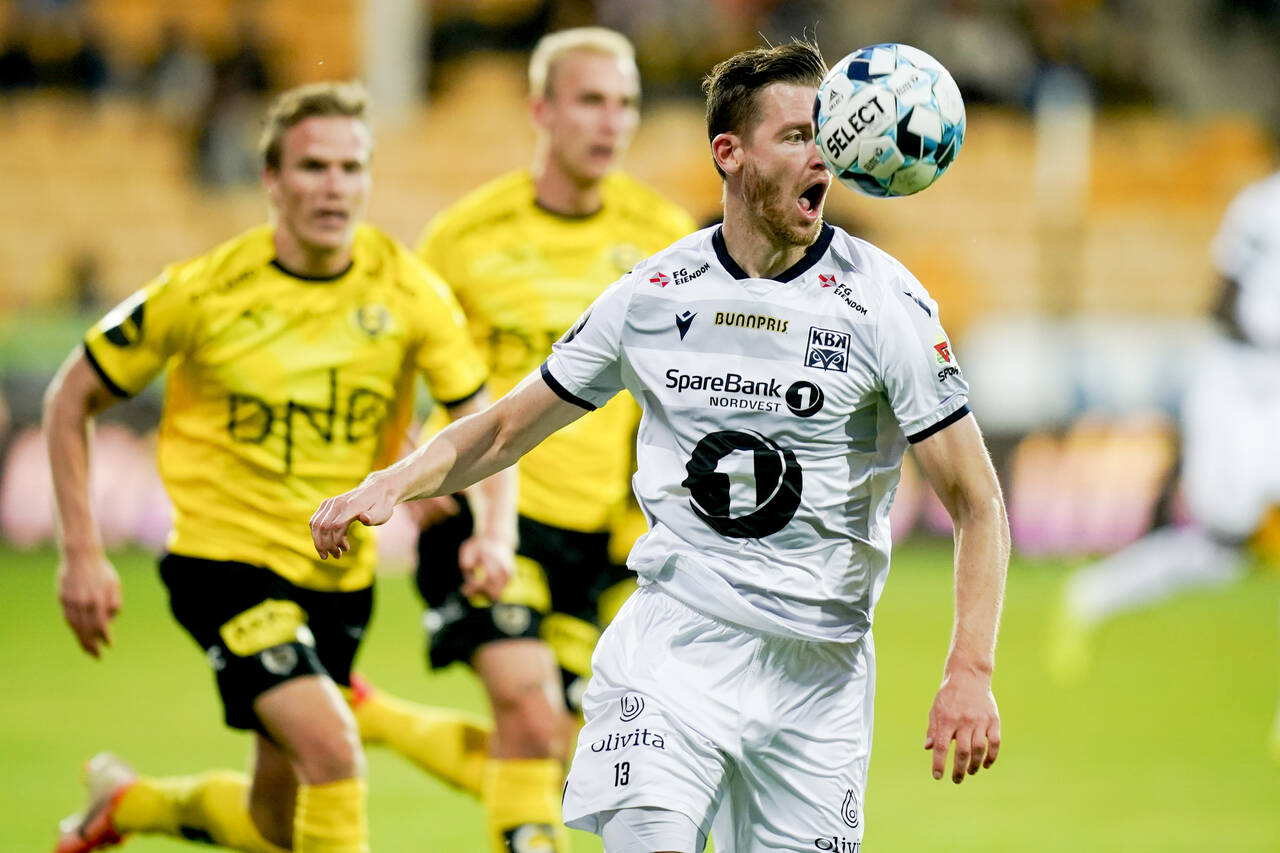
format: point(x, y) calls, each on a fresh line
point(889, 120)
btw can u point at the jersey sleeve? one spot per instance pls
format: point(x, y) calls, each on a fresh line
point(585, 365)
point(133, 341)
point(920, 374)
point(1246, 250)
point(1241, 237)
point(445, 355)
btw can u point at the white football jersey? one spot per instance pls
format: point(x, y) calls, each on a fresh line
point(776, 413)
point(1247, 250)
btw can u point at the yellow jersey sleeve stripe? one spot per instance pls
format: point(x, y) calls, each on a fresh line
point(460, 400)
point(102, 374)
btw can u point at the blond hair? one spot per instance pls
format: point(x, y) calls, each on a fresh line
point(330, 98)
point(552, 46)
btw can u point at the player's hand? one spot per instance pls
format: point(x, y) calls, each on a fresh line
point(487, 565)
point(428, 512)
point(369, 503)
point(89, 592)
point(964, 711)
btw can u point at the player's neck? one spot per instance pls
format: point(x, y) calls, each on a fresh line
point(309, 262)
point(561, 193)
point(758, 253)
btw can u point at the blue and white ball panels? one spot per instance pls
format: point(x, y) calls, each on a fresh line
point(889, 120)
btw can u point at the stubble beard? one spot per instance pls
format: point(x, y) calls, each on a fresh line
point(765, 201)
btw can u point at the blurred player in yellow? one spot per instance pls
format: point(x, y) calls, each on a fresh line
point(291, 353)
point(526, 254)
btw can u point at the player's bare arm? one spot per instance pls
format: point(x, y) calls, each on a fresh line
point(956, 463)
point(88, 586)
point(465, 452)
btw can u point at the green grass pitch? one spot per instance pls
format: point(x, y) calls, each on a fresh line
point(1160, 749)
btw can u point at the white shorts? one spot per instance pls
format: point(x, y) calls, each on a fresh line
point(1230, 466)
point(765, 737)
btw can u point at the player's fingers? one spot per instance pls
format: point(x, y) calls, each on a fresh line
point(78, 619)
point(101, 621)
point(978, 752)
point(319, 534)
point(492, 580)
point(940, 745)
point(993, 744)
point(960, 761)
point(473, 576)
point(328, 529)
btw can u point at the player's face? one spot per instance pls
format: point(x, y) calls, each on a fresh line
point(589, 113)
point(322, 186)
point(784, 182)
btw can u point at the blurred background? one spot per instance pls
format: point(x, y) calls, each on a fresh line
point(1068, 247)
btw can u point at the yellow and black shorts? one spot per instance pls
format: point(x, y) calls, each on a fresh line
point(258, 630)
point(555, 594)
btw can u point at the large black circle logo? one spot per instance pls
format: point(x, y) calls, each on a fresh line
point(805, 398)
point(778, 481)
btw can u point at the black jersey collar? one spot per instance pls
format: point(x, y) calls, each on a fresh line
point(811, 256)
point(275, 262)
point(568, 217)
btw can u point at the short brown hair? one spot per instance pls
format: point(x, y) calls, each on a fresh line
point(330, 98)
point(733, 85)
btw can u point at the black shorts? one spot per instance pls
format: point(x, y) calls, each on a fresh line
point(258, 630)
point(573, 567)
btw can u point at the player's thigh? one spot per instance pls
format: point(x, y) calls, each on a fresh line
point(800, 783)
point(250, 624)
point(644, 830)
point(312, 723)
point(661, 714)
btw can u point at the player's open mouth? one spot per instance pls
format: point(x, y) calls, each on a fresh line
point(332, 218)
point(810, 201)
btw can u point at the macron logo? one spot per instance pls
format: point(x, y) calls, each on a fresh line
point(683, 322)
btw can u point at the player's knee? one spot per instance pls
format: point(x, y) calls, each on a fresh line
point(329, 755)
point(532, 720)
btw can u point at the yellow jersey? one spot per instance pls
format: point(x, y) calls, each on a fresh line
point(523, 275)
point(283, 390)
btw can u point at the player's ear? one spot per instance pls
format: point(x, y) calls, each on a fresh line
point(271, 180)
point(538, 110)
point(726, 148)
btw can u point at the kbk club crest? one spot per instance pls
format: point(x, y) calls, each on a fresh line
point(827, 350)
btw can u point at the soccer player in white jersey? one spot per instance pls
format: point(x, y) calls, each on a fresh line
point(1230, 470)
point(783, 367)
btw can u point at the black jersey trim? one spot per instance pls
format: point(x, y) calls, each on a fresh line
point(102, 374)
point(940, 425)
point(449, 404)
point(275, 262)
point(562, 392)
point(568, 217)
point(811, 256)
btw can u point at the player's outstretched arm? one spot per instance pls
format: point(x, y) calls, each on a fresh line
point(88, 586)
point(956, 463)
point(465, 452)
